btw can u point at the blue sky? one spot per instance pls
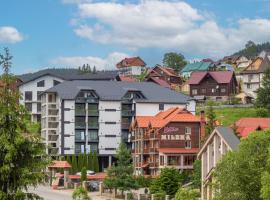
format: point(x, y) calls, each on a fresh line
point(59, 33)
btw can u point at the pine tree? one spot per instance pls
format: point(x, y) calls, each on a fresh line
point(69, 160)
point(74, 164)
point(85, 160)
point(90, 161)
point(80, 162)
point(120, 176)
point(263, 93)
point(83, 174)
point(211, 119)
point(95, 162)
point(94, 70)
point(22, 153)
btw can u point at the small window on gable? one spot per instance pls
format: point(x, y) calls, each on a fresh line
point(188, 130)
point(41, 83)
point(55, 82)
point(161, 106)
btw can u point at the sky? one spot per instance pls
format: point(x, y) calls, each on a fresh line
point(69, 33)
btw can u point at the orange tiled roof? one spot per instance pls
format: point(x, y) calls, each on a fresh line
point(143, 121)
point(127, 79)
point(178, 150)
point(127, 62)
point(60, 164)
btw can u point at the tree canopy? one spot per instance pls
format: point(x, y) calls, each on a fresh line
point(174, 60)
point(263, 93)
point(252, 50)
point(241, 174)
point(22, 153)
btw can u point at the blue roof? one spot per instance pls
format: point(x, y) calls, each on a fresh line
point(196, 66)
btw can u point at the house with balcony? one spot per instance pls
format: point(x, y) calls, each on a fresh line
point(169, 139)
point(252, 75)
point(32, 85)
point(218, 144)
point(83, 116)
point(133, 66)
point(216, 85)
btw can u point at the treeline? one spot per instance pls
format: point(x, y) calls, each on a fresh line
point(252, 50)
point(89, 161)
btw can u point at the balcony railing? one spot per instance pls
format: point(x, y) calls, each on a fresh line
point(127, 112)
point(93, 112)
point(79, 139)
point(80, 125)
point(93, 125)
point(79, 112)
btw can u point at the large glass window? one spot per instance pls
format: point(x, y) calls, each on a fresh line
point(80, 109)
point(79, 135)
point(28, 95)
point(28, 107)
point(41, 83)
point(189, 160)
point(80, 122)
point(39, 95)
point(38, 107)
point(92, 135)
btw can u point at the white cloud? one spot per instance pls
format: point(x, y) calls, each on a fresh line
point(101, 63)
point(166, 24)
point(10, 34)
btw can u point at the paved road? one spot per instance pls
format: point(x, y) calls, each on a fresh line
point(49, 194)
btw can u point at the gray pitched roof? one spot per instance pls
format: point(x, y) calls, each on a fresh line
point(229, 136)
point(114, 90)
point(68, 74)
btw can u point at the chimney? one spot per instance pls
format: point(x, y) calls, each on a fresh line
point(202, 124)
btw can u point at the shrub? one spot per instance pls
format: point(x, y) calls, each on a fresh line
point(80, 194)
point(143, 182)
point(83, 174)
point(187, 194)
point(261, 112)
point(159, 196)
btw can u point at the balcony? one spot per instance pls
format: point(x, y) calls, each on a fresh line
point(80, 125)
point(52, 106)
point(127, 113)
point(93, 112)
point(93, 125)
point(125, 125)
point(153, 150)
point(79, 112)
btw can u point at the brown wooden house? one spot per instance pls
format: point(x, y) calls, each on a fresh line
point(217, 85)
point(164, 76)
point(169, 139)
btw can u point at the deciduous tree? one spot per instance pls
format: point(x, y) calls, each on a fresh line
point(263, 93)
point(174, 60)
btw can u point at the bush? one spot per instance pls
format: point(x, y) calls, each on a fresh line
point(261, 112)
point(143, 182)
point(187, 194)
point(83, 174)
point(159, 196)
point(80, 194)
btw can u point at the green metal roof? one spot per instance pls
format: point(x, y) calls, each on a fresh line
point(196, 66)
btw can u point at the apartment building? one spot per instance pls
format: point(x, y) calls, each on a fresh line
point(218, 144)
point(33, 84)
point(84, 116)
point(252, 75)
point(169, 139)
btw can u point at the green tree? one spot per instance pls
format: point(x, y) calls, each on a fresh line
point(80, 162)
point(196, 174)
point(240, 172)
point(95, 162)
point(142, 76)
point(80, 194)
point(120, 176)
point(187, 194)
point(74, 164)
point(22, 153)
point(263, 93)
point(94, 70)
point(83, 174)
point(174, 60)
point(90, 161)
point(211, 118)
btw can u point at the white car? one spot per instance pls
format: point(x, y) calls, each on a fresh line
point(88, 173)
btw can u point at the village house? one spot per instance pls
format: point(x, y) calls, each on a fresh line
point(194, 67)
point(134, 66)
point(218, 144)
point(164, 76)
point(247, 125)
point(252, 75)
point(169, 139)
point(216, 85)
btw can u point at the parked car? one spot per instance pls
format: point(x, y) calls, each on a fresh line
point(88, 173)
point(92, 186)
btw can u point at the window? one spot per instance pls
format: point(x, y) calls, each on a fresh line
point(51, 98)
point(250, 77)
point(41, 83)
point(188, 130)
point(39, 95)
point(161, 158)
point(223, 90)
point(203, 90)
point(28, 107)
point(79, 135)
point(161, 106)
point(55, 82)
point(213, 90)
point(249, 86)
point(93, 147)
point(189, 160)
point(194, 92)
point(38, 107)
point(188, 144)
point(28, 95)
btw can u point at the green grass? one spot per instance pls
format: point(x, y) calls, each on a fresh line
point(227, 116)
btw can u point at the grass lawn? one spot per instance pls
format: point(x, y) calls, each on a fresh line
point(227, 116)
